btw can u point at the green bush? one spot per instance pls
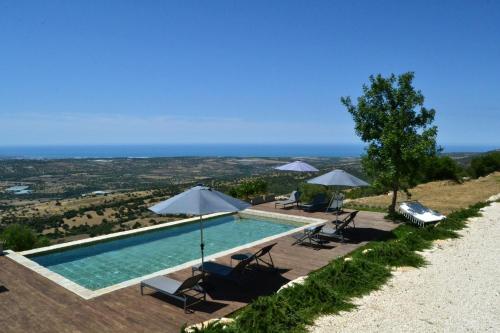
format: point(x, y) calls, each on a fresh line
point(396, 253)
point(441, 168)
point(309, 191)
point(18, 237)
point(485, 164)
point(249, 188)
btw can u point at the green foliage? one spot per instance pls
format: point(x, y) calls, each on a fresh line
point(353, 278)
point(18, 237)
point(441, 168)
point(248, 188)
point(485, 164)
point(395, 253)
point(361, 192)
point(309, 191)
point(390, 116)
point(331, 288)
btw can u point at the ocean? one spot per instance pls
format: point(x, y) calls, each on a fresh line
point(201, 150)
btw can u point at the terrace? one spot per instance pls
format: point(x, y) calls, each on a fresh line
point(31, 302)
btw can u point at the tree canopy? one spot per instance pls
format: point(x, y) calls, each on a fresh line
point(390, 116)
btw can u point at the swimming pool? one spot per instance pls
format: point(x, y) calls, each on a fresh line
point(107, 263)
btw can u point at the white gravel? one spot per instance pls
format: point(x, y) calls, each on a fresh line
point(459, 291)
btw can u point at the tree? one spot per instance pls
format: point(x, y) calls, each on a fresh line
point(391, 118)
point(18, 237)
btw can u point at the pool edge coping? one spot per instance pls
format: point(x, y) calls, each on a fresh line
point(85, 293)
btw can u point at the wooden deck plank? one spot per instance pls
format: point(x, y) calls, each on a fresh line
point(34, 303)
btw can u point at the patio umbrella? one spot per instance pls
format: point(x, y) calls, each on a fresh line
point(199, 200)
point(297, 166)
point(338, 177)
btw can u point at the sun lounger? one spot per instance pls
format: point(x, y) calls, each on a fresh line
point(176, 289)
point(318, 202)
point(419, 214)
point(292, 200)
point(340, 227)
point(310, 236)
point(260, 254)
point(233, 274)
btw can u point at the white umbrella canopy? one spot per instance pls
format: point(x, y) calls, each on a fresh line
point(297, 166)
point(338, 177)
point(199, 200)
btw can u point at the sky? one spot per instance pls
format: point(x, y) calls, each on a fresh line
point(120, 72)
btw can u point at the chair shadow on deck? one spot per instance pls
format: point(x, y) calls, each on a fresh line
point(316, 247)
point(207, 306)
point(255, 283)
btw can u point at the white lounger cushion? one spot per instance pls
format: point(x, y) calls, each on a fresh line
point(415, 210)
point(163, 283)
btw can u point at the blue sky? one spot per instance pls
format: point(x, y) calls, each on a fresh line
point(92, 72)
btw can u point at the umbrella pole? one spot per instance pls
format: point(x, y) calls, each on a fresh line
point(202, 246)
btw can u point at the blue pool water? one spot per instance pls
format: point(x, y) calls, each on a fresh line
point(107, 263)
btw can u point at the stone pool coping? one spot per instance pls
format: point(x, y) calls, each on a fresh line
point(85, 293)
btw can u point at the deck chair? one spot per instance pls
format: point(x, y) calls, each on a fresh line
point(419, 214)
point(176, 289)
point(260, 254)
point(310, 236)
point(340, 227)
point(233, 274)
point(318, 202)
point(292, 200)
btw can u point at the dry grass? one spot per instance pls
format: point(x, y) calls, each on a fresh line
point(443, 196)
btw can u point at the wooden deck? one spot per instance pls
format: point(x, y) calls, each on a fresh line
point(32, 303)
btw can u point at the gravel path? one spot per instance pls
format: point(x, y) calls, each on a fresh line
point(459, 291)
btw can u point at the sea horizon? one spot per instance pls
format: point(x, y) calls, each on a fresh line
point(201, 150)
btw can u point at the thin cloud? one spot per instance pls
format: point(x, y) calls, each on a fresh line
point(79, 128)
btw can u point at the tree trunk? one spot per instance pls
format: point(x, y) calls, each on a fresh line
point(392, 207)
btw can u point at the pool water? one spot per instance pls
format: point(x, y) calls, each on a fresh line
point(107, 263)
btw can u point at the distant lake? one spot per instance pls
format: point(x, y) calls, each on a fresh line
point(202, 150)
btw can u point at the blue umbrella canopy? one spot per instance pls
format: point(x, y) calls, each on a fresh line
point(338, 178)
point(297, 166)
point(199, 200)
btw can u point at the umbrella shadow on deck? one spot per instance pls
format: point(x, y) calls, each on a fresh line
point(254, 283)
point(360, 234)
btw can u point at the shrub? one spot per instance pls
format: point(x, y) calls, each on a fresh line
point(309, 191)
point(441, 168)
point(485, 164)
point(396, 253)
point(18, 237)
point(249, 188)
